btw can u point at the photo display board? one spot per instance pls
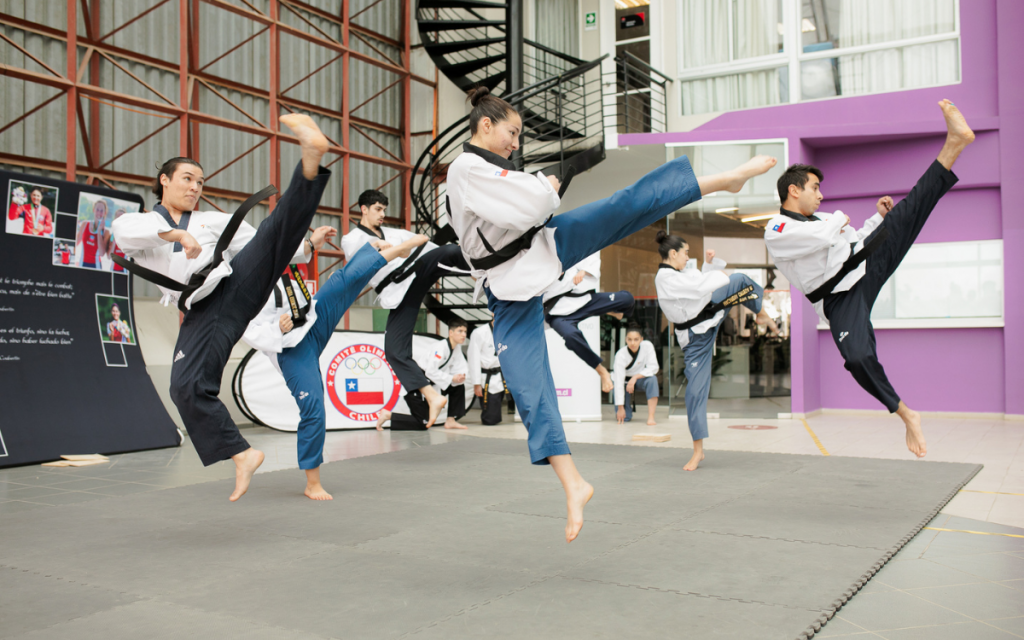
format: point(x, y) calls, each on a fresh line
point(72, 376)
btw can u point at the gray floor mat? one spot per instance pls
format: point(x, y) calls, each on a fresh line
point(465, 540)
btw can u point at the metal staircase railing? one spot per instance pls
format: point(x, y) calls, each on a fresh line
point(638, 95)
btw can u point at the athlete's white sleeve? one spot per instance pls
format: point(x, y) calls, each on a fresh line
point(140, 231)
point(622, 358)
point(475, 376)
point(716, 264)
point(509, 199)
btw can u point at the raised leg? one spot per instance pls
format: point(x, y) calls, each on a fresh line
point(732, 181)
point(578, 493)
point(339, 292)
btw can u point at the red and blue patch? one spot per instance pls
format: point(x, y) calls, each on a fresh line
point(779, 227)
point(501, 173)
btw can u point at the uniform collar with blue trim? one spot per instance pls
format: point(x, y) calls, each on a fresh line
point(180, 224)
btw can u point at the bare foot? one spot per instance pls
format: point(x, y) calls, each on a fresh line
point(753, 167)
point(762, 317)
point(606, 379)
point(316, 492)
point(956, 125)
point(312, 142)
point(382, 417)
point(576, 498)
point(616, 314)
point(915, 437)
point(246, 464)
point(651, 421)
point(450, 423)
point(958, 135)
point(436, 404)
point(695, 460)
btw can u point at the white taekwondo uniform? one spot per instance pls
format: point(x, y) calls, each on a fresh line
point(809, 252)
point(646, 364)
point(392, 294)
point(441, 364)
point(683, 294)
point(483, 355)
point(137, 234)
point(580, 293)
point(264, 331)
point(499, 205)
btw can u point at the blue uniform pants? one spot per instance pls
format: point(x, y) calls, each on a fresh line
point(519, 325)
point(697, 356)
point(568, 326)
point(301, 364)
point(649, 385)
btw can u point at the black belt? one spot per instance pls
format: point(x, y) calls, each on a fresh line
point(712, 308)
point(870, 246)
point(442, 237)
point(491, 372)
point(551, 302)
point(199, 277)
point(298, 313)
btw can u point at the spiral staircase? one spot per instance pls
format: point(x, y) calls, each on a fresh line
point(559, 97)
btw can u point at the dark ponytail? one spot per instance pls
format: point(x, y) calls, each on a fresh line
point(667, 242)
point(168, 169)
point(487, 106)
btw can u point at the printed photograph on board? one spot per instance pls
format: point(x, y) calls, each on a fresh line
point(93, 242)
point(114, 318)
point(30, 209)
point(63, 253)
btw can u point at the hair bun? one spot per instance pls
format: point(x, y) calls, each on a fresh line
point(660, 237)
point(476, 94)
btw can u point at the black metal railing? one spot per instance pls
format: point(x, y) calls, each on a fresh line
point(563, 125)
point(638, 95)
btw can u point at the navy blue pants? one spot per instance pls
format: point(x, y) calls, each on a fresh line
point(849, 312)
point(301, 364)
point(697, 356)
point(402, 320)
point(213, 325)
point(519, 325)
point(568, 326)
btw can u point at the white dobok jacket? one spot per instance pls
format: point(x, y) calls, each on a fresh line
point(138, 236)
point(441, 364)
point(646, 365)
point(483, 355)
point(264, 331)
point(589, 284)
point(809, 251)
point(500, 204)
point(392, 294)
point(684, 294)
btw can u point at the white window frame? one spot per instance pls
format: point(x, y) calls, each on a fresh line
point(793, 54)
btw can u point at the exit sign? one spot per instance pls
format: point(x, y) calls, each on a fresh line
point(590, 21)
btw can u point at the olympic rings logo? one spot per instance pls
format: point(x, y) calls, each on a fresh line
point(366, 365)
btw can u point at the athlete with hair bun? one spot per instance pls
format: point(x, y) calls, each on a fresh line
point(517, 248)
point(696, 302)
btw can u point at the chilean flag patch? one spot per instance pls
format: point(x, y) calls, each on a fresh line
point(779, 227)
point(501, 173)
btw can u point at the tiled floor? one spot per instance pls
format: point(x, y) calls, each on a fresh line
point(944, 584)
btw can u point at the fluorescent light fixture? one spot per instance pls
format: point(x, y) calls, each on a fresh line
point(765, 216)
point(727, 210)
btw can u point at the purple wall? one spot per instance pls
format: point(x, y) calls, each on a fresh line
point(869, 146)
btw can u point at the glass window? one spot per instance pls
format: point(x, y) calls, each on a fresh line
point(924, 65)
point(737, 91)
point(833, 24)
point(733, 54)
point(945, 280)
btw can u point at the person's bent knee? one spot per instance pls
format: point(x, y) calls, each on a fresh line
point(860, 361)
